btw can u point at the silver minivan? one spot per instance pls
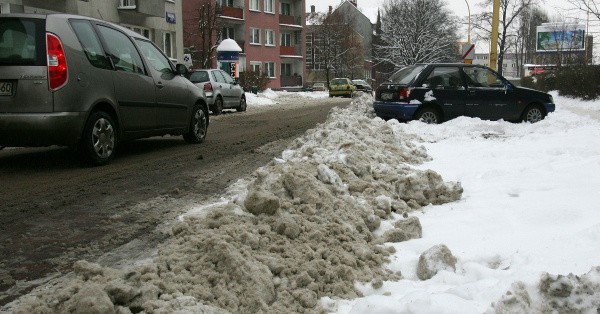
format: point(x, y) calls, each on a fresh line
point(76, 81)
point(221, 90)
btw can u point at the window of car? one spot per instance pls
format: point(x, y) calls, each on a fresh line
point(339, 82)
point(157, 60)
point(482, 77)
point(199, 77)
point(227, 77)
point(122, 51)
point(218, 77)
point(91, 44)
point(444, 78)
point(406, 75)
point(22, 42)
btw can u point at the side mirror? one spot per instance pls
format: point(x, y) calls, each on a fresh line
point(182, 69)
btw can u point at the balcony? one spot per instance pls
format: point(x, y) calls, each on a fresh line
point(233, 12)
point(290, 51)
point(288, 81)
point(289, 20)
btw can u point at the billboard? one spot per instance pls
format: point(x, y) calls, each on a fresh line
point(560, 37)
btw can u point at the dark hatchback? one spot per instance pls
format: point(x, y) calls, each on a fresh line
point(434, 93)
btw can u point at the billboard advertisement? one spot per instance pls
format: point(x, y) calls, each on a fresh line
point(560, 37)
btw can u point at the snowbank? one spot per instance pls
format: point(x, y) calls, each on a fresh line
point(303, 229)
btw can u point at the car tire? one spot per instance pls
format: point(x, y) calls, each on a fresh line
point(198, 126)
point(533, 114)
point(429, 115)
point(98, 143)
point(218, 107)
point(243, 105)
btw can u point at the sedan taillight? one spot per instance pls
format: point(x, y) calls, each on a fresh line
point(57, 62)
point(405, 93)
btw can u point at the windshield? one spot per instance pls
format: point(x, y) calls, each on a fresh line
point(407, 74)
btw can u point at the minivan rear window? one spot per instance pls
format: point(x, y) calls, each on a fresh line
point(407, 74)
point(22, 41)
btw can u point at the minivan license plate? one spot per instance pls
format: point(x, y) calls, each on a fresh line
point(5, 88)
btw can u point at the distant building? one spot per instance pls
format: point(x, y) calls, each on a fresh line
point(509, 64)
point(158, 20)
point(362, 27)
point(270, 33)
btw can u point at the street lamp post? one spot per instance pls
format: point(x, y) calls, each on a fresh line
point(494, 40)
point(469, 27)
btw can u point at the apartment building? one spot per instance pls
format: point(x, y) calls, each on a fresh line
point(158, 20)
point(270, 33)
point(361, 28)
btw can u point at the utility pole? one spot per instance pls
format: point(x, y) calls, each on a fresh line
point(494, 40)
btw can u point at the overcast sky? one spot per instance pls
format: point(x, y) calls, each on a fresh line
point(554, 8)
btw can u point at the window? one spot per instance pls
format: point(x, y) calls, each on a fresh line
point(140, 30)
point(286, 69)
point(481, 77)
point(269, 6)
point(22, 42)
point(254, 5)
point(91, 44)
point(254, 36)
point(128, 4)
point(269, 38)
point(156, 59)
point(168, 44)
point(286, 39)
point(226, 3)
point(286, 9)
point(227, 32)
point(444, 78)
point(122, 51)
point(270, 69)
point(255, 66)
point(227, 77)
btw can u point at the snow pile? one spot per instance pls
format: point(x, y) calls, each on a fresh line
point(304, 228)
point(270, 97)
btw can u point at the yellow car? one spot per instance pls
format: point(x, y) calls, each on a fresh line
point(341, 87)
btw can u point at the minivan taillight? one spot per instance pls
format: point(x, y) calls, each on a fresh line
point(57, 62)
point(404, 93)
point(208, 87)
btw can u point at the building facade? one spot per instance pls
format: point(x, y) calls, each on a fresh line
point(158, 20)
point(270, 33)
point(361, 28)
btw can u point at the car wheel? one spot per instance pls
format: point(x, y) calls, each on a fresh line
point(242, 106)
point(218, 107)
point(429, 116)
point(198, 126)
point(99, 141)
point(533, 114)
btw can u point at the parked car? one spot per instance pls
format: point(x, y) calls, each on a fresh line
point(434, 93)
point(222, 91)
point(363, 86)
point(76, 81)
point(341, 87)
point(319, 87)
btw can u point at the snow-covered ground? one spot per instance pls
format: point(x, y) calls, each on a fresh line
point(332, 223)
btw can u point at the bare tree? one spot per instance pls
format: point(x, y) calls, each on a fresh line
point(591, 6)
point(203, 39)
point(335, 44)
point(510, 10)
point(417, 31)
point(526, 35)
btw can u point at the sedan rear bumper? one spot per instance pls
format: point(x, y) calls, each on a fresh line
point(395, 110)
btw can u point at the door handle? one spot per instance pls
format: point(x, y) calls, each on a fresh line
point(159, 85)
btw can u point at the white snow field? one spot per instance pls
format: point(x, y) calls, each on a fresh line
point(362, 215)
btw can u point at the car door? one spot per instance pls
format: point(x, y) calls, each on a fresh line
point(173, 102)
point(234, 91)
point(134, 87)
point(223, 86)
point(489, 97)
point(446, 88)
